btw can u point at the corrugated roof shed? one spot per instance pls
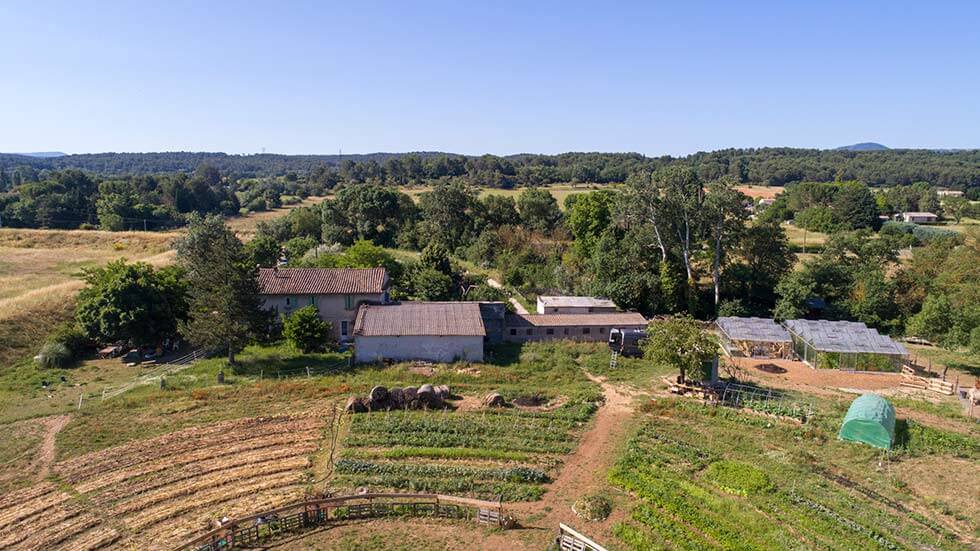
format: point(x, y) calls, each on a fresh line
point(753, 329)
point(322, 281)
point(844, 336)
point(573, 320)
point(576, 302)
point(420, 319)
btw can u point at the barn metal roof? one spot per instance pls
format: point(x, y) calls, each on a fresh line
point(416, 319)
point(322, 281)
point(621, 319)
point(576, 302)
point(844, 336)
point(752, 329)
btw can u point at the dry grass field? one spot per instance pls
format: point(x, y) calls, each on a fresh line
point(244, 226)
point(39, 272)
point(761, 192)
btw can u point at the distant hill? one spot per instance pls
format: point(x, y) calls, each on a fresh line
point(42, 154)
point(864, 146)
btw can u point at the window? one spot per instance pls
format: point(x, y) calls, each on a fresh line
point(348, 302)
point(551, 331)
point(566, 330)
point(529, 332)
point(590, 309)
point(513, 331)
point(602, 329)
point(343, 328)
point(289, 301)
point(586, 330)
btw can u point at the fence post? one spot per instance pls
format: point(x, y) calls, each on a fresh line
point(308, 372)
point(79, 402)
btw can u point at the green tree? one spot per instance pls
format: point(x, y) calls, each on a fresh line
point(538, 210)
point(364, 212)
point(132, 303)
point(681, 343)
point(590, 214)
point(934, 321)
point(854, 205)
point(431, 284)
point(263, 250)
point(726, 214)
point(957, 207)
point(224, 306)
point(306, 331)
point(448, 214)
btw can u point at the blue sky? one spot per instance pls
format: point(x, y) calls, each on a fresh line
point(486, 77)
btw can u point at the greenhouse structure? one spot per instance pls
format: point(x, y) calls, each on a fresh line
point(753, 337)
point(846, 345)
point(870, 420)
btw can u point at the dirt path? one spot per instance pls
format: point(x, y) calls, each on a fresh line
point(45, 453)
point(585, 471)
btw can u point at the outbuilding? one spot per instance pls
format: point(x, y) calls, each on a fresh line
point(429, 331)
point(575, 327)
point(575, 305)
point(846, 345)
point(754, 337)
point(871, 420)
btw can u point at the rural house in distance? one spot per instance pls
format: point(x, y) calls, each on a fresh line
point(336, 292)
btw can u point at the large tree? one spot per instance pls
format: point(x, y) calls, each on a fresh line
point(680, 342)
point(132, 303)
point(726, 214)
point(538, 209)
point(224, 312)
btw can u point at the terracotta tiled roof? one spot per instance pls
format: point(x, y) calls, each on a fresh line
point(575, 320)
point(321, 281)
point(420, 319)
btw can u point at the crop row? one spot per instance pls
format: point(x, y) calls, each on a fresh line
point(518, 442)
point(489, 490)
point(636, 538)
point(509, 474)
point(437, 453)
point(179, 443)
point(399, 422)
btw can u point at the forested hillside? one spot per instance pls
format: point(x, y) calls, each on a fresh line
point(770, 166)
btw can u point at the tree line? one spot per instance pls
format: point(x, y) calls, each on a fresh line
point(768, 166)
point(666, 242)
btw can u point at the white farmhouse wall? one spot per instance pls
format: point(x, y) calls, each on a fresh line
point(429, 348)
point(332, 308)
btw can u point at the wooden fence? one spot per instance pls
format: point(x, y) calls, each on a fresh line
point(912, 379)
point(570, 540)
point(297, 517)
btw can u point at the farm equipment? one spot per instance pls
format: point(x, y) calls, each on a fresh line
point(626, 341)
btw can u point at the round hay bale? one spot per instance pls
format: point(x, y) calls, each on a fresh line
point(426, 389)
point(355, 405)
point(396, 397)
point(443, 391)
point(409, 393)
point(494, 400)
point(379, 394)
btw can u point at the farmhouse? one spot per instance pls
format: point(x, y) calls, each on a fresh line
point(844, 345)
point(431, 331)
point(917, 217)
point(576, 327)
point(575, 305)
point(336, 292)
point(754, 337)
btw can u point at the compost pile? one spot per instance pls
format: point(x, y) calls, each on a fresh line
point(381, 398)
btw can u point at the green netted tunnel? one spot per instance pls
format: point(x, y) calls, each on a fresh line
point(870, 419)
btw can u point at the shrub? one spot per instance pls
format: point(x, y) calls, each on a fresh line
point(55, 355)
point(738, 478)
point(593, 507)
point(304, 330)
point(70, 335)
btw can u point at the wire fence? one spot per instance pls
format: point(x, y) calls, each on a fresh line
point(152, 377)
